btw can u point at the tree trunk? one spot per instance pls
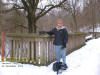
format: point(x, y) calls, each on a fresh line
point(34, 27)
point(75, 22)
point(31, 24)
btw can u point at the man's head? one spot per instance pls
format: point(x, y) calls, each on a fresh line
point(59, 22)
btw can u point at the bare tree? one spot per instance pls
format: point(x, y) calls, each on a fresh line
point(73, 8)
point(34, 11)
point(92, 9)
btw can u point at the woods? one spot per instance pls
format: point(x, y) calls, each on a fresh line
point(35, 15)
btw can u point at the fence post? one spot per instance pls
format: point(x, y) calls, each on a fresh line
point(2, 46)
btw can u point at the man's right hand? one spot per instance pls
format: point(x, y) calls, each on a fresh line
point(42, 32)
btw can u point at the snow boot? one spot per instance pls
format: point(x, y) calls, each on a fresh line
point(57, 66)
point(64, 66)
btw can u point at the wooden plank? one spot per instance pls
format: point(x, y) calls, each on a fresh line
point(42, 53)
point(50, 52)
point(45, 57)
point(20, 50)
point(14, 57)
point(37, 52)
point(11, 49)
point(26, 49)
point(47, 53)
point(17, 48)
point(32, 51)
point(54, 53)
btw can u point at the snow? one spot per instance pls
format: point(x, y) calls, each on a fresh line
point(88, 37)
point(84, 61)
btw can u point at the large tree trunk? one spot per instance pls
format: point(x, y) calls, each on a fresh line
point(34, 26)
point(31, 24)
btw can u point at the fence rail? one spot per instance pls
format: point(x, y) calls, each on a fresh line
point(96, 34)
point(39, 49)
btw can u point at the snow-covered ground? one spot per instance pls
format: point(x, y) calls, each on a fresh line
point(84, 61)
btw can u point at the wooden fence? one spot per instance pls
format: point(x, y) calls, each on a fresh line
point(96, 34)
point(39, 49)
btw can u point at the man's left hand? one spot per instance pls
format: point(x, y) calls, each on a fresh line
point(62, 47)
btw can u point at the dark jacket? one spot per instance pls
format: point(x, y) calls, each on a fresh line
point(61, 36)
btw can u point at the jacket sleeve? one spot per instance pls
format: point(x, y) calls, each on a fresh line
point(51, 32)
point(65, 37)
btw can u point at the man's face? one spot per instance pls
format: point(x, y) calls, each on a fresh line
point(59, 23)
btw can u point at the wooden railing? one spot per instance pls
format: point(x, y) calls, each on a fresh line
point(96, 34)
point(39, 49)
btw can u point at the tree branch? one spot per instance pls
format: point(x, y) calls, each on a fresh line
point(25, 5)
point(44, 11)
point(35, 5)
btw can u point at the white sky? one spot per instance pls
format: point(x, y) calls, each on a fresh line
point(45, 2)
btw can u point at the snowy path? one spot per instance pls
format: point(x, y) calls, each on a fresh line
point(84, 61)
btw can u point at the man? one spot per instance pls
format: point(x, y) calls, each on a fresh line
point(61, 38)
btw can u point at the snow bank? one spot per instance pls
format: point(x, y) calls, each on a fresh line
point(84, 61)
